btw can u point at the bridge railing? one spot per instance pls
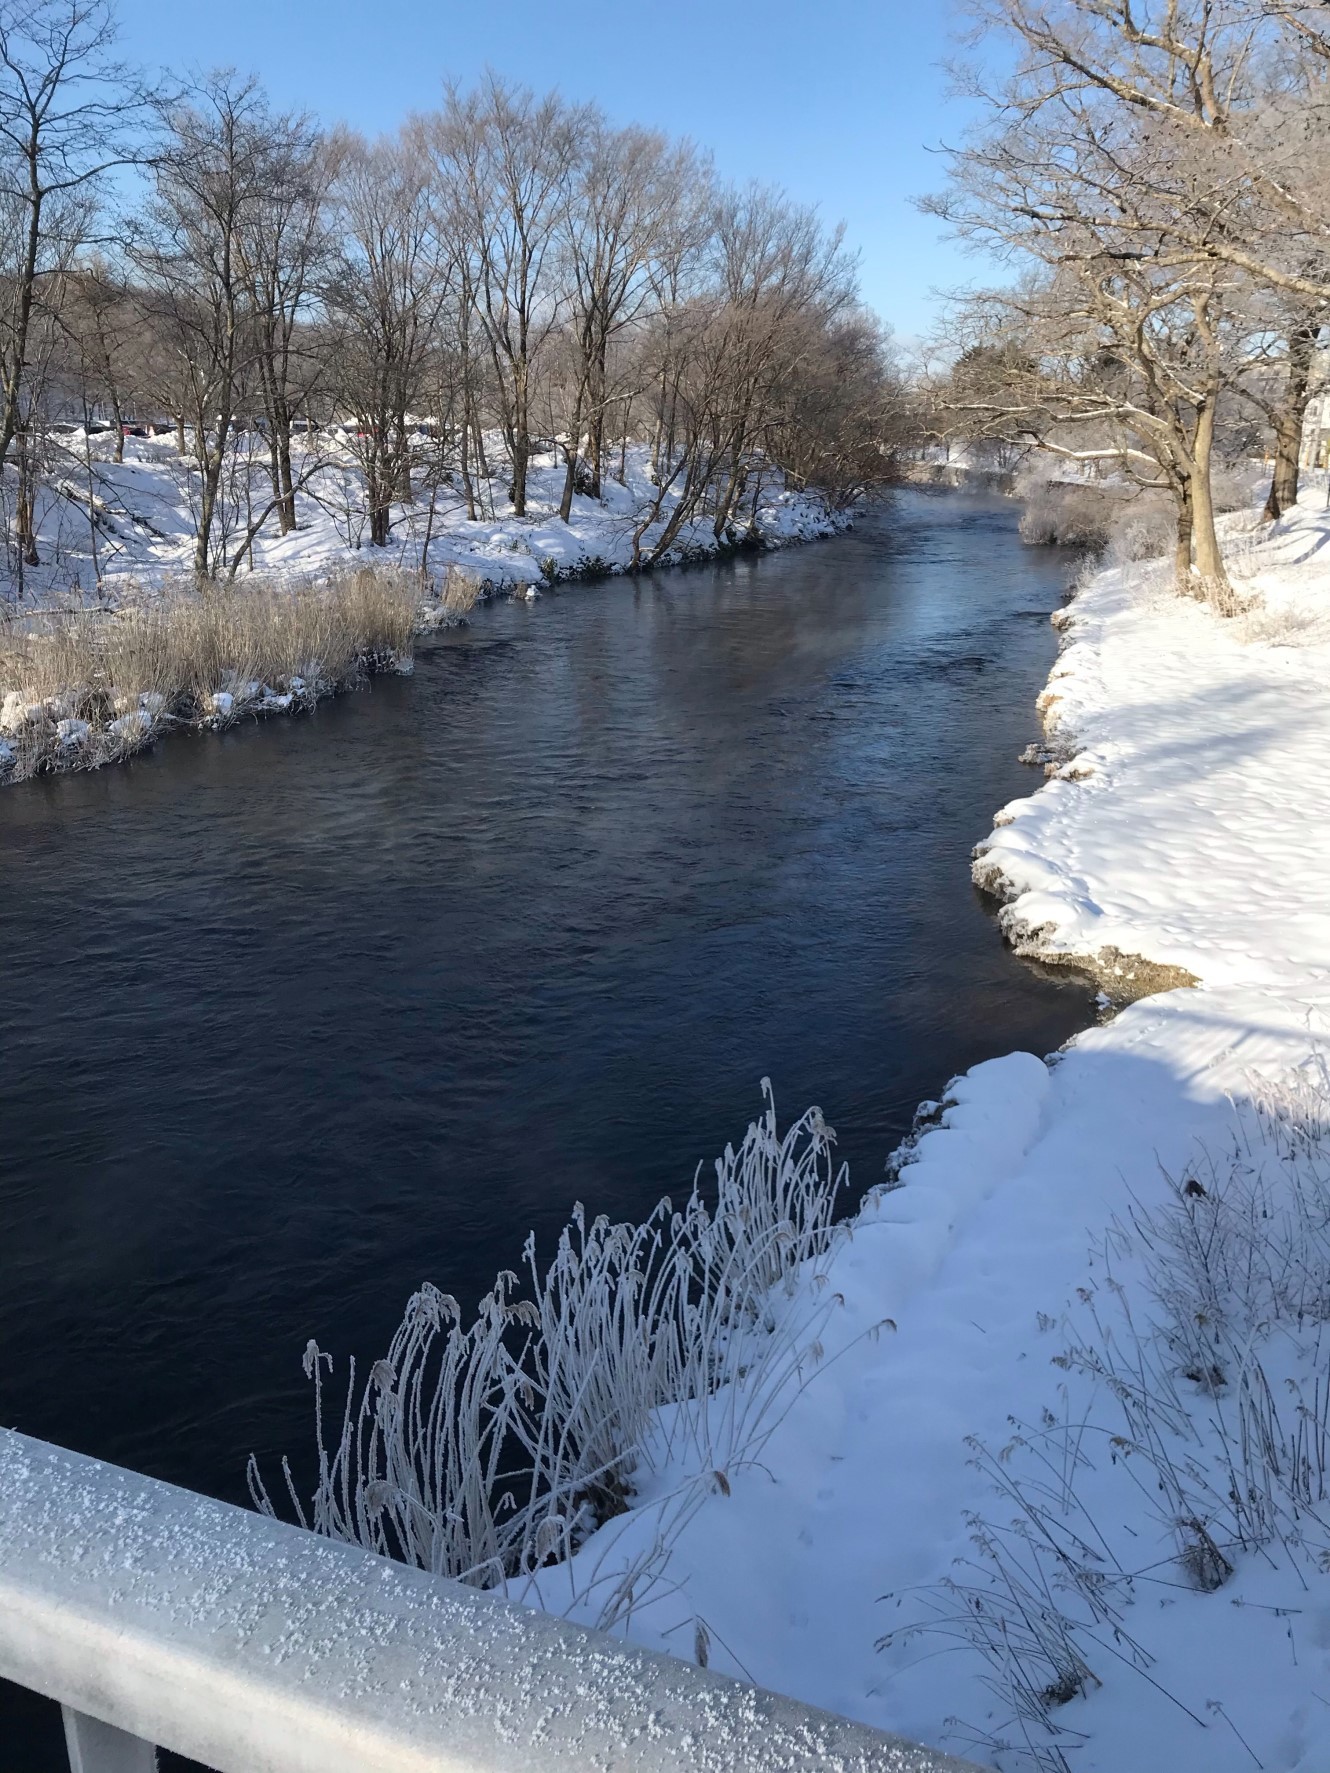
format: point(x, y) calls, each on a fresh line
point(157, 1616)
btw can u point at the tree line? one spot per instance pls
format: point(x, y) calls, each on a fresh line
point(507, 275)
point(1156, 173)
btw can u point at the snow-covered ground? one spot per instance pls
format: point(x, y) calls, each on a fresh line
point(1189, 824)
point(145, 508)
point(122, 535)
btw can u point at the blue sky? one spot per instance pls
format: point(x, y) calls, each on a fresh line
point(839, 101)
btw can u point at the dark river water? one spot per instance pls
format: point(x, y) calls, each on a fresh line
point(296, 1017)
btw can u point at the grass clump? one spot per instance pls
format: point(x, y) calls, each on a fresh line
point(83, 687)
point(640, 1360)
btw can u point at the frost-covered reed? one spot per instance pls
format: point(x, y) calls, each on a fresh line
point(81, 687)
point(489, 1451)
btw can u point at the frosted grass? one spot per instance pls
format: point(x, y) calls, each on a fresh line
point(655, 1357)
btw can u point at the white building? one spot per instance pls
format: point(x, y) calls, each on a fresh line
point(1315, 451)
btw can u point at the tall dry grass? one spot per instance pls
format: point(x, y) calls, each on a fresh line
point(643, 1363)
point(81, 687)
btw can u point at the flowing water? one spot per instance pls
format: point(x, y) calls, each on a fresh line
point(297, 1016)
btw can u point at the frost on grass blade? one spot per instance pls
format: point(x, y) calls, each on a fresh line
point(491, 1451)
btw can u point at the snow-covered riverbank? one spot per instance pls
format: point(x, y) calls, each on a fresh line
point(1165, 1598)
point(145, 512)
point(110, 645)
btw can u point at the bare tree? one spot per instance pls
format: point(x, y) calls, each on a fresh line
point(842, 414)
point(68, 114)
point(98, 315)
point(1234, 99)
point(386, 297)
point(507, 158)
point(1281, 388)
point(188, 251)
point(285, 245)
point(1137, 332)
point(620, 202)
point(1123, 365)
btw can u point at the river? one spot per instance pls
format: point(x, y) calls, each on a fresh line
point(299, 1015)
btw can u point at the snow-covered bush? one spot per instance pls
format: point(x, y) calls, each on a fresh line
point(1078, 514)
point(488, 1451)
point(1146, 529)
point(1113, 514)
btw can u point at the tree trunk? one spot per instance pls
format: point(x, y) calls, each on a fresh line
point(597, 438)
point(1288, 419)
point(1212, 579)
point(211, 465)
point(570, 451)
point(727, 498)
point(482, 461)
point(521, 456)
point(118, 419)
point(286, 509)
point(467, 487)
point(1284, 480)
point(402, 452)
point(380, 473)
point(10, 424)
point(274, 467)
point(25, 535)
point(1182, 545)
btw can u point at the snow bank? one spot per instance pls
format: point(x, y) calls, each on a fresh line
point(145, 547)
point(145, 522)
point(1187, 821)
point(1190, 819)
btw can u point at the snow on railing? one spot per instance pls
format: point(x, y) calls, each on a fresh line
point(154, 1615)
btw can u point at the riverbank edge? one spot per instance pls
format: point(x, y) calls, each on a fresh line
point(122, 739)
point(822, 523)
point(987, 1238)
point(1035, 881)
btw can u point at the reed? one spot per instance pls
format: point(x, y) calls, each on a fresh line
point(82, 687)
point(671, 1348)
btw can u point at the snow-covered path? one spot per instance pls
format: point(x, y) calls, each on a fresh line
point(1190, 826)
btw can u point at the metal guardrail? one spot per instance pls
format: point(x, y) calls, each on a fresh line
point(154, 1615)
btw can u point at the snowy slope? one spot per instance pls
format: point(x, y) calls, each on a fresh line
point(1192, 828)
point(145, 522)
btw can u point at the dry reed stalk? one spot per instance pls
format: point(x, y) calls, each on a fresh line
point(676, 1345)
point(80, 688)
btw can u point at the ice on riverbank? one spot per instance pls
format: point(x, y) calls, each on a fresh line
point(1192, 828)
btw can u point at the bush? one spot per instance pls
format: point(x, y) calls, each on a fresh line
point(1127, 522)
point(1076, 515)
